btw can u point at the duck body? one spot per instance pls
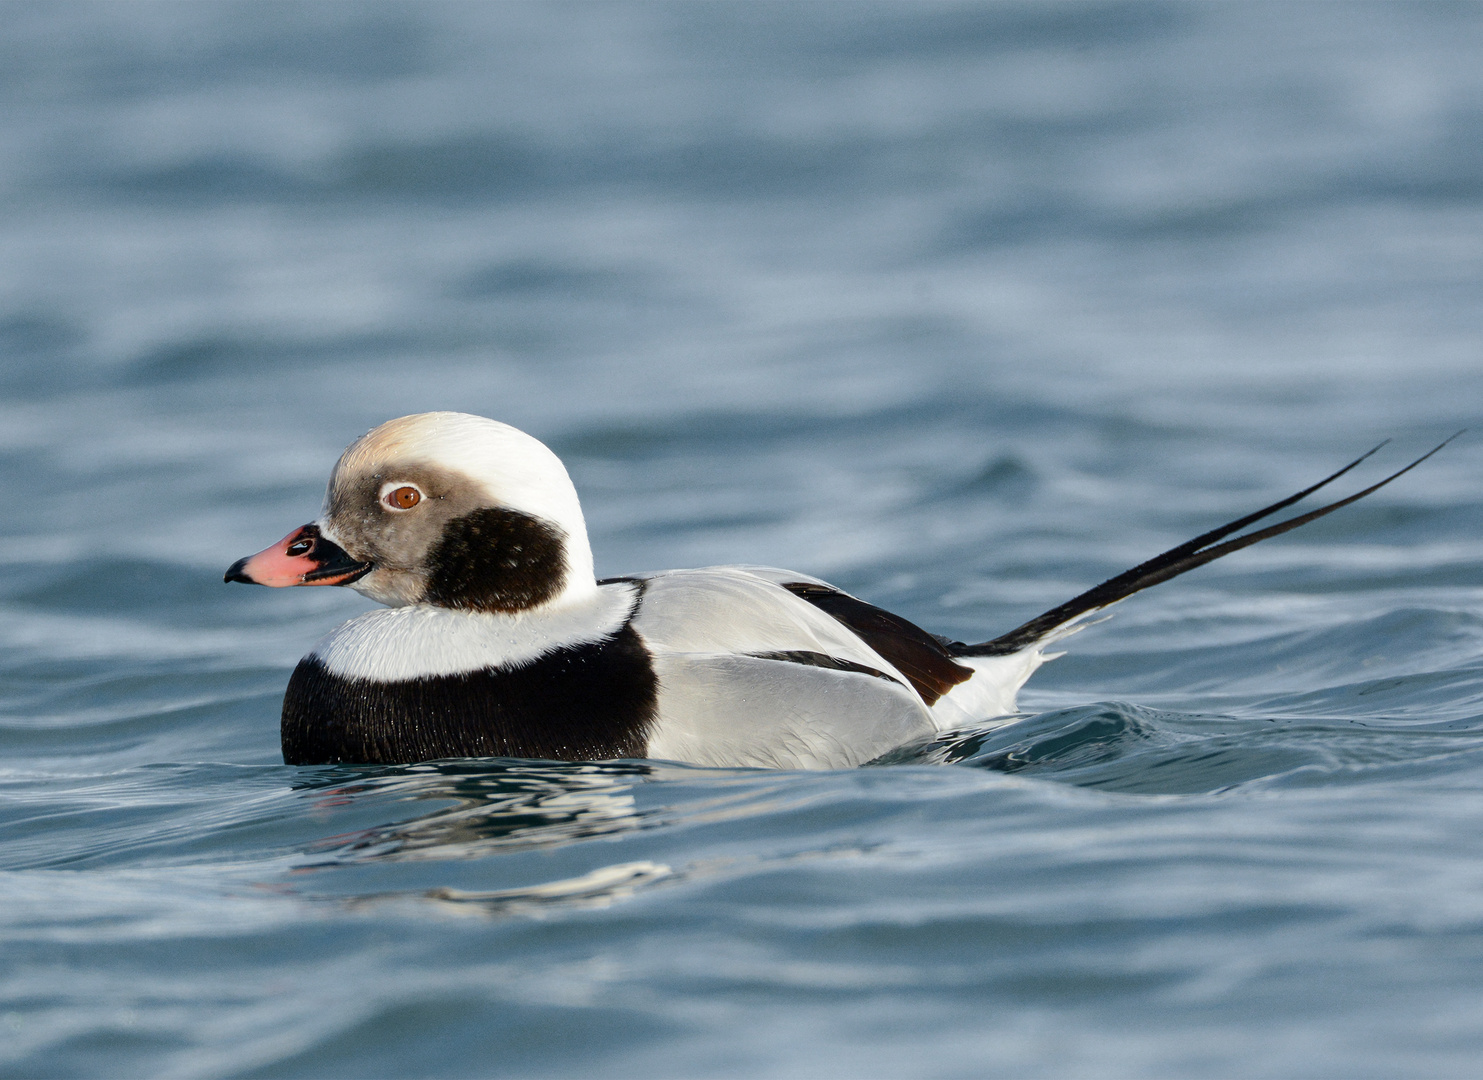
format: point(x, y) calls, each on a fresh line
point(497, 640)
point(724, 665)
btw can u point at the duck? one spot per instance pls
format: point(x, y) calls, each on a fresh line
point(497, 639)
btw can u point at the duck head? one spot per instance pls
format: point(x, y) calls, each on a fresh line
point(441, 508)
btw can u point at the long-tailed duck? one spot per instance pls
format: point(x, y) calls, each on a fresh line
point(499, 640)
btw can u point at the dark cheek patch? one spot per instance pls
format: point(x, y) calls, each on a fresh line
point(495, 559)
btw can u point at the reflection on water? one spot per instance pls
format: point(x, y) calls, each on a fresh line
point(486, 807)
point(465, 811)
point(597, 889)
point(496, 805)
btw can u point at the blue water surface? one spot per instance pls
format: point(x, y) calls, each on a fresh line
point(964, 307)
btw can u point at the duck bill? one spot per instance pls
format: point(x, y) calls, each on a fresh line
point(303, 557)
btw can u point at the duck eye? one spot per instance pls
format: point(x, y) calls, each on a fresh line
point(403, 498)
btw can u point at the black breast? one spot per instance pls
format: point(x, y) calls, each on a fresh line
point(585, 703)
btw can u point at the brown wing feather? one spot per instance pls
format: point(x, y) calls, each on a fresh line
point(921, 657)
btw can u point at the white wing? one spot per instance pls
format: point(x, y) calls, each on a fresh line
point(722, 702)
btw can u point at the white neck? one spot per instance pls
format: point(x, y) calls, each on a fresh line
point(396, 644)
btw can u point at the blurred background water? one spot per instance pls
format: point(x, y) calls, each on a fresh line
point(964, 307)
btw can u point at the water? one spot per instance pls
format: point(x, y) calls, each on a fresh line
point(964, 308)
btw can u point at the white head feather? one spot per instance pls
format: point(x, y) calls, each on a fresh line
point(516, 471)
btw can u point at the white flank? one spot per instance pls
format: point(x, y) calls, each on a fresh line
point(741, 610)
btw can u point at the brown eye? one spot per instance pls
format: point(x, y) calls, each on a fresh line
point(403, 498)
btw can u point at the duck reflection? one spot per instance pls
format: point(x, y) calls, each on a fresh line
point(488, 807)
point(599, 888)
point(473, 809)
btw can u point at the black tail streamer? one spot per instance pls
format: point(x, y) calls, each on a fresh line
point(1177, 560)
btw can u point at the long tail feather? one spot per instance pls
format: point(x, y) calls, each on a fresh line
point(1177, 560)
